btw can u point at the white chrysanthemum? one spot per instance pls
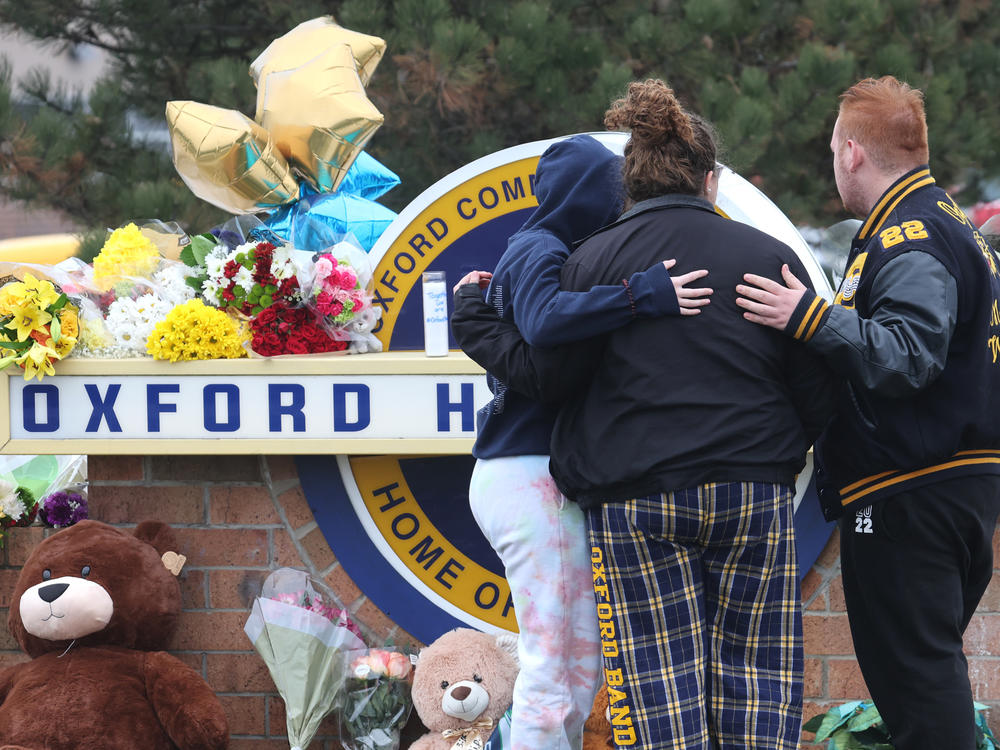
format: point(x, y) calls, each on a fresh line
point(211, 292)
point(215, 260)
point(131, 321)
point(10, 504)
point(246, 247)
point(173, 287)
point(244, 278)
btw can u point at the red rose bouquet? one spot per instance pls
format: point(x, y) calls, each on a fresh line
point(283, 329)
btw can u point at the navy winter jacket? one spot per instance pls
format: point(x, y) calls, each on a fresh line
point(579, 189)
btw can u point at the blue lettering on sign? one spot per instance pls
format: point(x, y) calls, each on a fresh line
point(438, 229)
point(31, 423)
point(466, 406)
point(461, 211)
point(493, 195)
point(154, 407)
point(295, 410)
point(104, 407)
point(447, 570)
point(364, 401)
point(391, 502)
point(210, 399)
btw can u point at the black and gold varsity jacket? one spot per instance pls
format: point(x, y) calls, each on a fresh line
point(914, 332)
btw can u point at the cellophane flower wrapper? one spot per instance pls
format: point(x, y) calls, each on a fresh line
point(306, 643)
point(36, 478)
point(377, 700)
point(339, 290)
point(130, 287)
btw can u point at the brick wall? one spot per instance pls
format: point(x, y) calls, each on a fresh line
point(237, 517)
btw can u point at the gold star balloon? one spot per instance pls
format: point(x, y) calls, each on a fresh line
point(227, 159)
point(318, 115)
point(303, 42)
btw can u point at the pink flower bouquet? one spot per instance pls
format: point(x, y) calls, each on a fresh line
point(306, 643)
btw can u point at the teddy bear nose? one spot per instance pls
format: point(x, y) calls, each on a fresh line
point(461, 692)
point(52, 592)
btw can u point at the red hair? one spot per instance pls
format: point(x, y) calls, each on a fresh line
point(886, 117)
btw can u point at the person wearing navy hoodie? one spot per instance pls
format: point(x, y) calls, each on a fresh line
point(539, 536)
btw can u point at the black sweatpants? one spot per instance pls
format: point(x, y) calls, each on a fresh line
point(915, 566)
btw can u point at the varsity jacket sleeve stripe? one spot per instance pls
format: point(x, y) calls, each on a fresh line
point(902, 347)
point(808, 316)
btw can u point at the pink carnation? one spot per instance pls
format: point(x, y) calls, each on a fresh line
point(348, 279)
point(324, 267)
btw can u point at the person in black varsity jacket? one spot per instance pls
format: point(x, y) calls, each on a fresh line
point(910, 463)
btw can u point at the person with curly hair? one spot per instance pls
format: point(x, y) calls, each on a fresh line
point(539, 537)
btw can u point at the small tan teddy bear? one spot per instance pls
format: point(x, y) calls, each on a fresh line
point(463, 683)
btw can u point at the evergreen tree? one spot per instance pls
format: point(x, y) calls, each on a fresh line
point(462, 79)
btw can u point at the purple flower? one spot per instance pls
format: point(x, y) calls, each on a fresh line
point(63, 509)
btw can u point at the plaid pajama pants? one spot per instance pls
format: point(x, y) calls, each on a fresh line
point(701, 625)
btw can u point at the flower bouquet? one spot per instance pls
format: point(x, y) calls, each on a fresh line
point(285, 329)
point(38, 326)
point(61, 509)
point(250, 278)
point(17, 507)
point(340, 292)
point(306, 643)
point(130, 289)
point(377, 700)
point(257, 281)
point(195, 331)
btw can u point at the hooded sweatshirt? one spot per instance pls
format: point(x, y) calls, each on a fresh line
point(578, 185)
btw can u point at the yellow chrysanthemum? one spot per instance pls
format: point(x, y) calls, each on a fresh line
point(127, 252)
point(184, 334)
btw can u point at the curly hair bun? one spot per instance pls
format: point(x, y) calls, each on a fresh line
point(651, 111)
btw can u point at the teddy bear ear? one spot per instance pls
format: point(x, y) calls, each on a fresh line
point(507, 642)
point(158, 535)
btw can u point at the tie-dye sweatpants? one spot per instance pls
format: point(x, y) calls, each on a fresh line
point(541, 539)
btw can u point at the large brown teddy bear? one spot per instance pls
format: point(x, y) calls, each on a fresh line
point(463, 683)
point(94, 605)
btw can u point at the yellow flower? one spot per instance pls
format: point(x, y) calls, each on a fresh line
point(43, 291)
point(94, 333)
point(37, 362)
point(28, 319)
point(183, 334)
point(69, 322)
point(127, 252)
point(64, 346)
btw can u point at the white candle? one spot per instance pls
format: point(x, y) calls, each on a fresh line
point(435, 314)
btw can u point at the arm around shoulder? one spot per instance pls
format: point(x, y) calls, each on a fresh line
point(498, 347)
